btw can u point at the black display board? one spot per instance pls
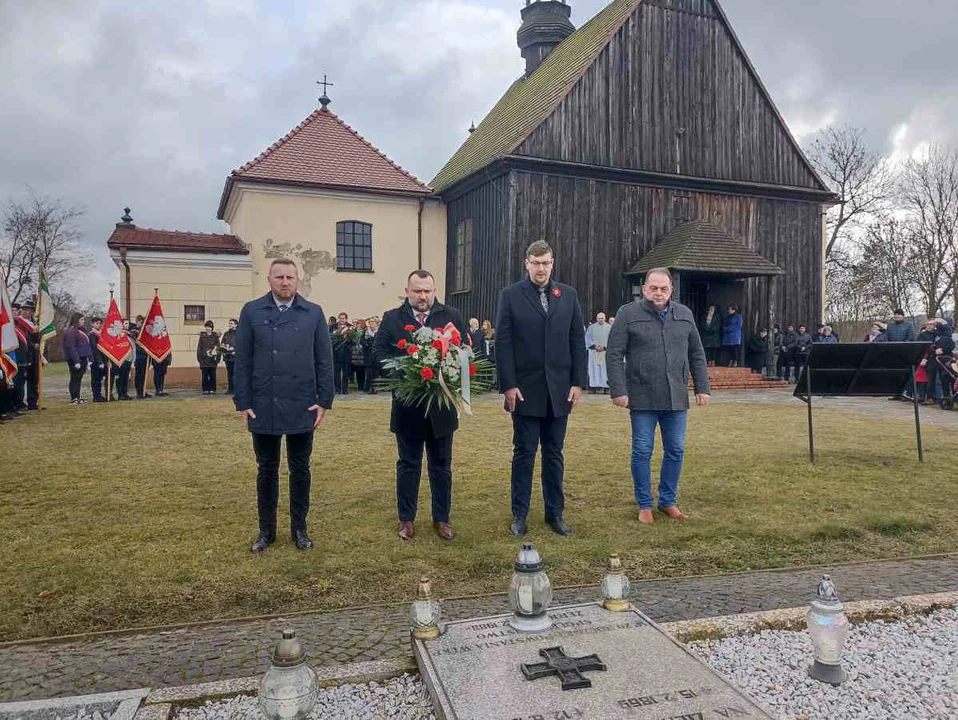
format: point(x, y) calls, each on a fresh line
point(861, 370)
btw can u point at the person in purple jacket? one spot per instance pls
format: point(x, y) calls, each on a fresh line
point(76, 348)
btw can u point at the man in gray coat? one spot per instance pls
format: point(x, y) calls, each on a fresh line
point(653, 345)
point(283, 380)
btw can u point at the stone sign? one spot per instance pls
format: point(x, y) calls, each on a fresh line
point(614, 665)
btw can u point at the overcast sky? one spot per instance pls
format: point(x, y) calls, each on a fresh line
point(108, 103)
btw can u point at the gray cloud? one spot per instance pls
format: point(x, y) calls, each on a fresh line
point(152, 106)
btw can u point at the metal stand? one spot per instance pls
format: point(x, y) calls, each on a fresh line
point(914, 399)
point(833, 675)
point(811, 434)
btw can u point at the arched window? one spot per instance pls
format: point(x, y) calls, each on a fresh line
point(354, 246)
point(462, 257)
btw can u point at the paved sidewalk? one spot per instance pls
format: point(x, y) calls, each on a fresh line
point(233, 650)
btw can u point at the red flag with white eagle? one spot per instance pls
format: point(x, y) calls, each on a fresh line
point(154, 337)
point(114, 340)
point(8, 333)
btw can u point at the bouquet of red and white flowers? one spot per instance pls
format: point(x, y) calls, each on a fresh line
point(435, 369)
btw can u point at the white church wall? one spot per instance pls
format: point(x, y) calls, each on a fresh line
point(301, 224)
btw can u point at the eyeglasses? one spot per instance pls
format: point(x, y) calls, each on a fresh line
point(541, 264)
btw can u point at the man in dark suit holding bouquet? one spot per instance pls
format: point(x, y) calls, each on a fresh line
point(414, 426)
point(543, 366)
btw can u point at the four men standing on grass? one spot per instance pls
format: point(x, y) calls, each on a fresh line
point(284, 385)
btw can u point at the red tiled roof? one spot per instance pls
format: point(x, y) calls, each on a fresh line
point(131, 236)
point(323, 151)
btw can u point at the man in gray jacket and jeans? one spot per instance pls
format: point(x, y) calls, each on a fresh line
point(653, 345)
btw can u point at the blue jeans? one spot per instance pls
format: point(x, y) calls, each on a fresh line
point(672, 425)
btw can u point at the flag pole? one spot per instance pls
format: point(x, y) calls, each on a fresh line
point(109, 364)
point(43, 341)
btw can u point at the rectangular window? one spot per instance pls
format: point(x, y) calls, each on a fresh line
point(194, 313)
point(462, 257)
point(354, 246)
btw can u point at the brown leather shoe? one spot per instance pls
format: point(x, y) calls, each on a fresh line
point(674, 513)
point(444, 530)
point(407, 530)
point(645, 517)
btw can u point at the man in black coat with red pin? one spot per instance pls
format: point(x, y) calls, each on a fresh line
point(543, 365)
point(415, 428)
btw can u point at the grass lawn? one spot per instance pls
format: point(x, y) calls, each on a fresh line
point(162, 536)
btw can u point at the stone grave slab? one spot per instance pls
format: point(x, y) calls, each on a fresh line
point(482, 669)
point(110, 706)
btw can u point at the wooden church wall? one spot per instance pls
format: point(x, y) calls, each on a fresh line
point(672, 92)
point(600, 229)
point(487, 207)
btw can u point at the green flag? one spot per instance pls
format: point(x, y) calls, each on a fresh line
point(45, 314)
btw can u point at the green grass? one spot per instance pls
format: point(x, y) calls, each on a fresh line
point(131, 514)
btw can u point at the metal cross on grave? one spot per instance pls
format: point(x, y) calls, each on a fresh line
point(567, 668)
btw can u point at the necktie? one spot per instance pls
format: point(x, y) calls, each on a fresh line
point(544, 300)
point(422, 318)
point(283, 308)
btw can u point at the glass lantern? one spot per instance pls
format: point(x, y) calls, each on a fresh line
point(424, 613)
point(530, 593)
point(615, 587)
point(289, 689)
point(828, 628)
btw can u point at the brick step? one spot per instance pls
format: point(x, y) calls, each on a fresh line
point(739, 378)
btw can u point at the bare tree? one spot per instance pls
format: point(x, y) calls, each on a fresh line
point(928, 191)
point(861, 178)
point(886, 266)
point(848, 294)
point(39, 231)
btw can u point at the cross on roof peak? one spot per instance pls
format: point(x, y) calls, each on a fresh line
point(324, 99)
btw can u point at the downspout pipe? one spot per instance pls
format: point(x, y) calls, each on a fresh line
point(126, 284)
point(422, 204)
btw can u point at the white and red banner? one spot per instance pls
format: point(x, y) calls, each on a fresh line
point(8, 333)
point(154, 338)
point(114, 341)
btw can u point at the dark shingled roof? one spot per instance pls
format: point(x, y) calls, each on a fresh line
point(700, 246)
point(532, 99)
point(137, 238)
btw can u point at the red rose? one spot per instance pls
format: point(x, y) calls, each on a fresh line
point(556, 292)
point(437, 344)
point(411, 349)
point(456, 338)
point(401, 344)
point(428, 374)
point(409, 328)
point(472, 369)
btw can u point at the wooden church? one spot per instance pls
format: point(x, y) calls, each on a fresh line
point(645, 138)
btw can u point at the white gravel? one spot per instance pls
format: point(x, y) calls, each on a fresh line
point(905, 670)
point(402, 698)
point(896, 670)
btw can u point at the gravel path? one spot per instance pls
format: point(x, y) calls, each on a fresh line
point(403, 698)
point(898, 670)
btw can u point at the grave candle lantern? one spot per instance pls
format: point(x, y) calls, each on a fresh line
point(424, 613)
point(828, 627)
point(615, 587)
point(530, 593)
point(289, 689)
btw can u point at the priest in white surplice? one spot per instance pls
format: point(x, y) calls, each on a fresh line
point(596, 339)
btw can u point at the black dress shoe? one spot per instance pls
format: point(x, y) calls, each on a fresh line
point(262, 542)
point(559, 527)
point(302, 540)
point(518, 526)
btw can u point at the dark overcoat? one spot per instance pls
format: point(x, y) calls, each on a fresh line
point(412, 421)
point(284, 365)
point(544, 355)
